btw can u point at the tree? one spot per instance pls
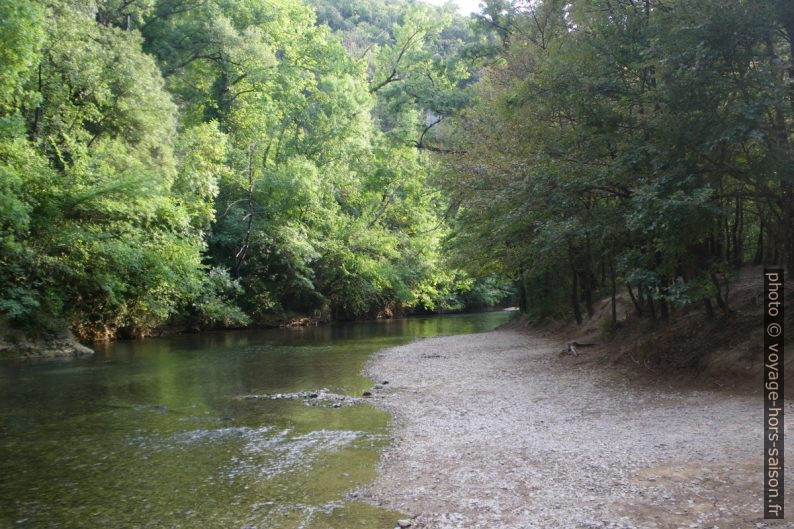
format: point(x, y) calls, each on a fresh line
point(627, 142)
point(95, 236)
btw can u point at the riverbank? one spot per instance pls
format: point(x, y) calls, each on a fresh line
point(46, 346)
point(497, 430)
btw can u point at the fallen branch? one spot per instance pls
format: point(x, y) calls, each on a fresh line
point(570, 348)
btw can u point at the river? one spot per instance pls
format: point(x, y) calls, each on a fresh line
point(158, 433)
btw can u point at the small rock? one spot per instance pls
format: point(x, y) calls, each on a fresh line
point(337, 405)
point(404, 523)
point(385, 382)
point(377, 386)
point(312, 395)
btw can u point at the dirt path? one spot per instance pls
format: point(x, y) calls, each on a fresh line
point(496, 431)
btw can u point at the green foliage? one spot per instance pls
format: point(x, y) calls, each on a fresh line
point(216, 304)
point(92, 234)
point(627, 142)
point(100, 248)
point(21, 34)
point(221, 162)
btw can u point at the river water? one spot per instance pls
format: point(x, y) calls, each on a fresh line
point(158, 433)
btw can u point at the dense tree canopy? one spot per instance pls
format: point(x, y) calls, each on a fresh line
point(224, 162)
point(647, 143)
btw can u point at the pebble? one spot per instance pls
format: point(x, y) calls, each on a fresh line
point(474, 423)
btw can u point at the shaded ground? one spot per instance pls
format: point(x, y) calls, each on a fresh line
point(497, 431)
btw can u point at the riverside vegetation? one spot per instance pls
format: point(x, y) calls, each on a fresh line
point(225, 163)
point(221, 163)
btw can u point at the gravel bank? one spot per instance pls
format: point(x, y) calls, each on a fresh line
point(497, 431)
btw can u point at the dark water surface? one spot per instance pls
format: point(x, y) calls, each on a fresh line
point(156, 434)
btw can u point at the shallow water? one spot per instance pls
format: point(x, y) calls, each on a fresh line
point(156, 434)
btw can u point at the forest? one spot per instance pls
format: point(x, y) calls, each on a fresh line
point(199, 164)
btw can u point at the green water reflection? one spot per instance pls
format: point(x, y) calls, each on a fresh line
point(155, 434)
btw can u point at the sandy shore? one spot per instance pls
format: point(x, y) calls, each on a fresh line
point(497, 431)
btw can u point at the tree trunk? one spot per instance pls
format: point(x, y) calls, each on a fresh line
point(523, 305)
point(588, 279)
point(577, 313)
point(759, 250)
point(787, 168)
point(588, 292)
point(664, 312)
point(721, 301)
point(637, 305)
point(614, 293)
point(575, 296)
point(249, 217)
point(709, 308)
point(736, 233)
point(651, 306)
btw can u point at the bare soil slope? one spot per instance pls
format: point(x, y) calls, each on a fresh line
point(727, 348)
